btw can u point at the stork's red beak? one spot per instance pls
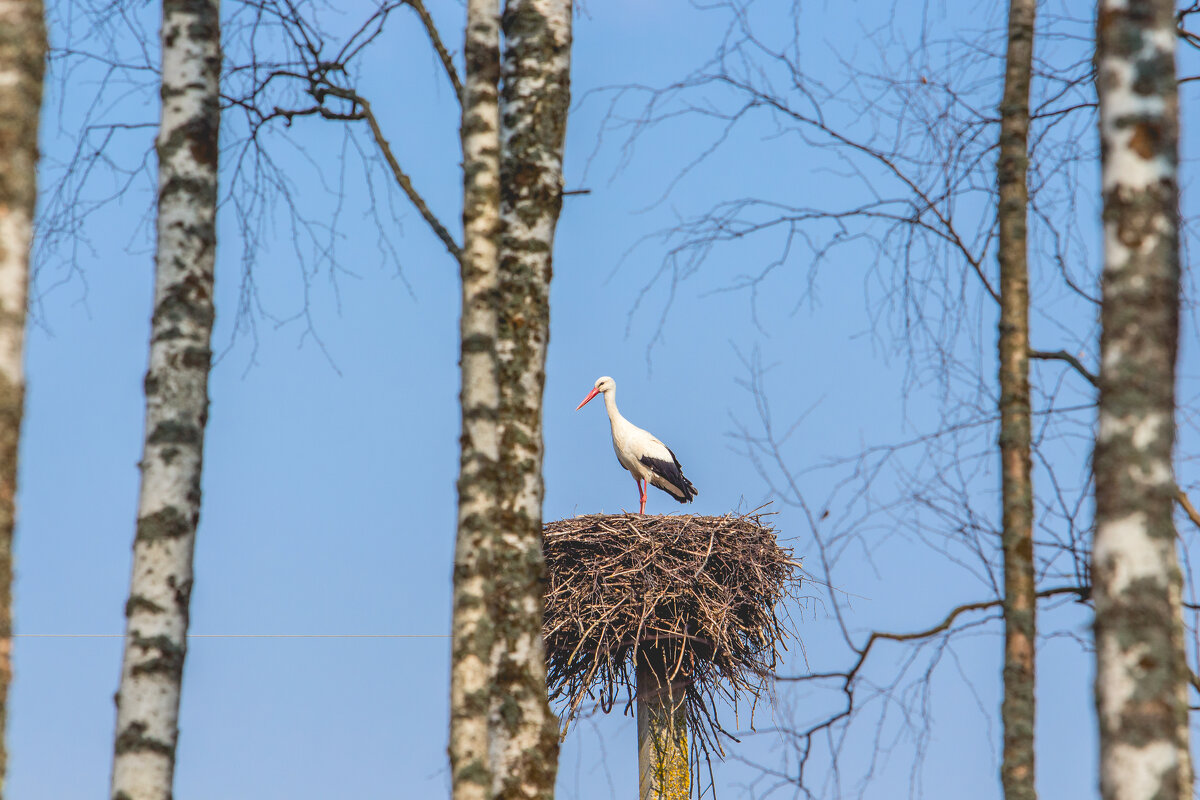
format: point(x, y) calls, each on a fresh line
point(592, 394)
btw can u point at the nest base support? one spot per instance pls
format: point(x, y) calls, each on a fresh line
point(664, 771)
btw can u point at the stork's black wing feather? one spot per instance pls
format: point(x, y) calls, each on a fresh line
point(670, 473)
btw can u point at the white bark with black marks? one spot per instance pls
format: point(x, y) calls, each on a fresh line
point(22, 68)
point(1142, 673)
point(176, 404)
point(478, 488)
point(533, 111)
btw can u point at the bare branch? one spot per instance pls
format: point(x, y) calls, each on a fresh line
point(941, 627)
point(1063, 355)
point(1186, 504)
point(436, 39)
point(397, 172)
point(324, 78)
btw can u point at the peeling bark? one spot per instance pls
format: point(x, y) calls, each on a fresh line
point(22, 66)
point(1018, 707)
point(1142, 674)
point(478, 485)
point(533, 117)
point(176, 389)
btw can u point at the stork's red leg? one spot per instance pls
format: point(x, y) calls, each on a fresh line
point(642, 487)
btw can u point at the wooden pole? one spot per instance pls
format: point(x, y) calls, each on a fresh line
point(664, 772)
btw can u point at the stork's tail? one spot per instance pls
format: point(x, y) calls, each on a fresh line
point(689, 491)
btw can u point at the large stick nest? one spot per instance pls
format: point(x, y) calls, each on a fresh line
point(701, 596)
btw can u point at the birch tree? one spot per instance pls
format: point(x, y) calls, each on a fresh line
point(1020, 587)
point(22, 64)
point(503, 740)
point(1142, 674)
point(176, 389)
point(533, 114)
point(478, 485)
point(501, 725)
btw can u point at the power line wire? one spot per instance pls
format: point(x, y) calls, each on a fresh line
point(244, 635)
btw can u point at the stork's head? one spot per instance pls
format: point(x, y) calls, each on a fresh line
point(605, 384)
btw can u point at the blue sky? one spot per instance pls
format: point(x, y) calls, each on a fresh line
point(331, 452)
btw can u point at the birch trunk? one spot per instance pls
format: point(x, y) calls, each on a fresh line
point(478, 487)
point(533, 114)
point(176, 404)
point(1017, 710)
point(22, 64)
point(1142, 674)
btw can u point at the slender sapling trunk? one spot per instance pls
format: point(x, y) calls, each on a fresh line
point(1020, 599)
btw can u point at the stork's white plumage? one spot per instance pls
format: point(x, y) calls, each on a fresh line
point(640, 452)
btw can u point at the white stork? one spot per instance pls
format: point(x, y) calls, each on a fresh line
point(640, 452)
